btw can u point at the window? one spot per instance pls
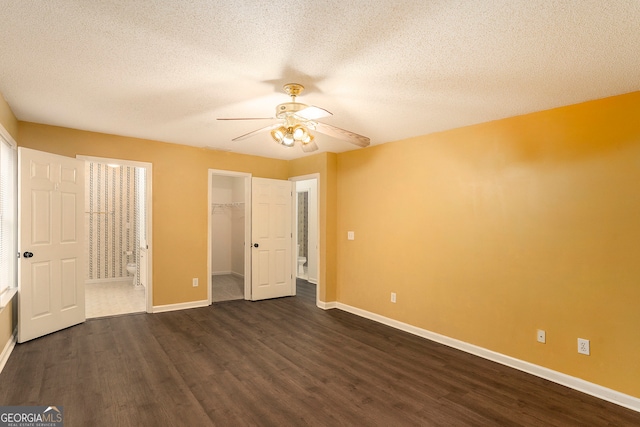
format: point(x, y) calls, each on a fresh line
point(8, 220)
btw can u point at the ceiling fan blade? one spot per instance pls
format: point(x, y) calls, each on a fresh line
point(312, 113)
point(250, 134)
point(310, 147)
point(346, 135)
point(246, 118)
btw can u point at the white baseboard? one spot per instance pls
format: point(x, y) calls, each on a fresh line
point(8, 348)
point(221, 273)
point(326, 305)
point(240, 275)
point(578, 384)
point(179, 306)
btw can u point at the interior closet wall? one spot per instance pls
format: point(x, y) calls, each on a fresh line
point(227, 225)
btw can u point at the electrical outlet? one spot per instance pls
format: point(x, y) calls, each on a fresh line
point(583, 346)
point(542, 336)
point(393, 297)
point(351, 235)
point(195, 282)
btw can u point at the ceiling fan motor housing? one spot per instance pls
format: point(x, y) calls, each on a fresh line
point(288, 108)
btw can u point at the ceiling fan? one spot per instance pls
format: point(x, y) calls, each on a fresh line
point(297, 120)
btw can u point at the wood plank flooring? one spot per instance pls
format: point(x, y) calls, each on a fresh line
point(280, 362)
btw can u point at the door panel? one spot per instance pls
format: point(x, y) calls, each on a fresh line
point(69, 283)
point(271, 231)
point(69, 219)
point(51, 281)
point(41, 288)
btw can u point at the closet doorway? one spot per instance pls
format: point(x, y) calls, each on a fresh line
point(229, 230)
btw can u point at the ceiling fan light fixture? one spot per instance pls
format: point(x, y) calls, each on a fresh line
point(299, 133)
point(278, 134)
point(288, 140)
point(297, 121)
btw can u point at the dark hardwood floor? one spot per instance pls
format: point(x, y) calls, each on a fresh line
point(280, 362)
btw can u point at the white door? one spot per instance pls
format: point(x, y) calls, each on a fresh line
point(51, 270)
point(271, 275)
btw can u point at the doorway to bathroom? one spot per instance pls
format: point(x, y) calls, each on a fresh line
point(229, 228)
point(117, 237)
point(307, 226)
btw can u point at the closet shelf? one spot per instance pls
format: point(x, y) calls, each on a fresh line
point(222, 206)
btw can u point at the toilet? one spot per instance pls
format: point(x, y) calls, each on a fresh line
point(131, 268)
point(301, 261)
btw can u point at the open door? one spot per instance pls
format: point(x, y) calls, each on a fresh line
point(51, 229)
point(272, 239)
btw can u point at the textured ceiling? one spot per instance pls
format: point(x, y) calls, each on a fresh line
point(389, 70)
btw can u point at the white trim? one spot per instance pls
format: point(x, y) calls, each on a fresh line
point(578, 384)
point(180, 306)
point(8, 348)
point(109, 280)
point(12, 288)
point(326, 305)
point(221, 273)
point(7, 296)
point(228, 273)
point(7, 136)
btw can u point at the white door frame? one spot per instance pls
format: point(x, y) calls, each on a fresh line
point(148, 196)
point(247, 229)
point(315, 176)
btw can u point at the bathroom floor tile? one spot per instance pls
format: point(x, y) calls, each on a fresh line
point(112, 298)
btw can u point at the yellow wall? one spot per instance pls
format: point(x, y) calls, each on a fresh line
point(489, 232)
point(7, 319)
point(180, 186)
point(485, 233)
point(323, 164)
point(7, 119)
point(7, 325)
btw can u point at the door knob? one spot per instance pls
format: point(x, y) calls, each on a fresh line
point(27, 254)
point(255, 245)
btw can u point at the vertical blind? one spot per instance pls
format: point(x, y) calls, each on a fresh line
point(8, 223)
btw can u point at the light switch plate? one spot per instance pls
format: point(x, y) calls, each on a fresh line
point(351, 235)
